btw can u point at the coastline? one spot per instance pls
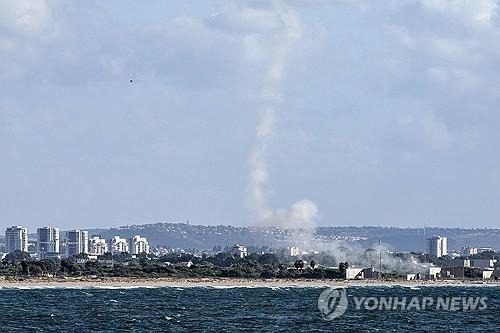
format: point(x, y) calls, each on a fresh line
point(225, 283)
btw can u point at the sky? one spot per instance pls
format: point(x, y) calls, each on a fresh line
point(387, 115)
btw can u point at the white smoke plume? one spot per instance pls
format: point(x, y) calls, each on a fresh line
point(303, 213)
point(300, 218)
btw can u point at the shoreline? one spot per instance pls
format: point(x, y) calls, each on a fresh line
point(226, 283)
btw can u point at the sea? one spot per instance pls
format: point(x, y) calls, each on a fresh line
point(248, 309)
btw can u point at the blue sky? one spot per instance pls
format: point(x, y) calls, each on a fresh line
point(388, 111)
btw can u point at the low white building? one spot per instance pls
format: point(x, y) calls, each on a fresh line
point(294, 251)
point(411, 277)
point(239, 250)
point(433, 273)
point(488, 273)
point(352, 273)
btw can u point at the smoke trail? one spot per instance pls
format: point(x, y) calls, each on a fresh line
point(302, 213)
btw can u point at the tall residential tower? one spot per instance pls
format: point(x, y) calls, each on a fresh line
point(437, 246)
point(16, 239)
point(48, 242)
point(77, 242)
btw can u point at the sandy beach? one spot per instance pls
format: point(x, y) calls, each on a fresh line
point(221, 282)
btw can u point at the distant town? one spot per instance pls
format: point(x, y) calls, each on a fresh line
point(50, 245)
point(80, 253)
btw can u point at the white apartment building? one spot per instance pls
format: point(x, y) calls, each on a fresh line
point(77, 242)
point(294, 251)
point(239, 250)
point(118, 245)
point(437, 246)
point(48, 242)
point(16, 238)
point(97, 245)
point(138, 244)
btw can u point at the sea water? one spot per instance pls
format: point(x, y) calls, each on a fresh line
point(210, 309)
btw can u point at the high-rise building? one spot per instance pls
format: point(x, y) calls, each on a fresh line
point(97, 245)
point(138, 244)
point(437, 246)
point(77, 242)
point(118, 245)
point(16, 239)
point(48, 242)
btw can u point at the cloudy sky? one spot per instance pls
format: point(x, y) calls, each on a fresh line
point(388, 111)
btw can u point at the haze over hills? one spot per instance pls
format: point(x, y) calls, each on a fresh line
point(184, 235)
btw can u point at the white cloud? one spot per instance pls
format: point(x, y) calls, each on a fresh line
point(401, 35)
point(481, 12)
point(245, 20)
point(423, 131)
point(29, 16)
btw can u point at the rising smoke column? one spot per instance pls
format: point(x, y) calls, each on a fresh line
point(302, 213)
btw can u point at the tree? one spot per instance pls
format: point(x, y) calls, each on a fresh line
point(343, 266)
point(299, 264)
point(268, 258)
point(25, 268)
point(17, 256)
point(106, 256)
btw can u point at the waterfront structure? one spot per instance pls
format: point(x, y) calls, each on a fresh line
point(354, 273)
point(239, 250)
point(97, 245)
point(437, 246)
point(433, 273)
point(118, 245)
point(77, 242)
point(138, 245)
point(48, 242)
point(16, 239)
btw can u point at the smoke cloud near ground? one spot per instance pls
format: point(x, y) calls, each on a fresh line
point(302, 213)
point(375, 255)
point(331, 253)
